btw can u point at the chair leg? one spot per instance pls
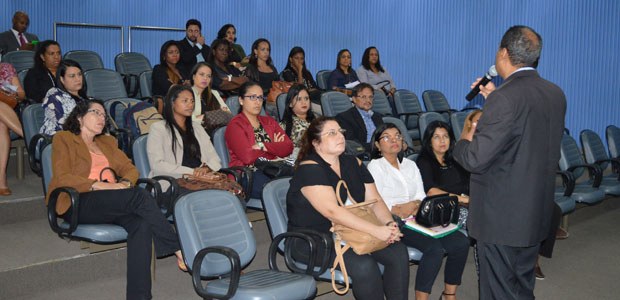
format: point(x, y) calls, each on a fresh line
point(564, 223)
point(19, 146)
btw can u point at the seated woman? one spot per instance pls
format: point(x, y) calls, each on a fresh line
point(207, 99)
point(312, 204)
point(297, 116)
point(261, 69)
point(79, 156)
point(226, 78)
point(343, 74)
point(60, 100)
point(250, 135)
point(441, 174)
point(42, 76)
point(168, 71)
point(400, 185)
point(236, 57)
point(296, 71)
point(371, 71)
point(177, 145)
point(8, 119)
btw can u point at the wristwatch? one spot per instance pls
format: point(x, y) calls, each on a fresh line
point(261, 145)
point(229, 77)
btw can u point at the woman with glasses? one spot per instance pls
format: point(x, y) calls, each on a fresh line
point(60, 100)
point(312, 204)
point(168, 71)
point(81, 155)
point(343, 74)
point(297, 115)
point(250, 135)
point(400, 185)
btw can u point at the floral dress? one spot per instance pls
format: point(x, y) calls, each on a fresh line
point(57, 104)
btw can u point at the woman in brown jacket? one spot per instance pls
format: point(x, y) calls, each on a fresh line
point(80, 156)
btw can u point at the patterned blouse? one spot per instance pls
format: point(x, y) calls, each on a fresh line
point(297, 132)
point(57, 104)
point(7, 72)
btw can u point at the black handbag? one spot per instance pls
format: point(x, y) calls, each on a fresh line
point(438, 210)
point(274, 168)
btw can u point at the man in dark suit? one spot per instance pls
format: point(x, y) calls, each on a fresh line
point(17, 38)
point(512, 158)
point(360, 121)
point(193, 48)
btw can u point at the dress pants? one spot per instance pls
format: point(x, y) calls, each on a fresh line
point(506, 272)
point(136, 211)
point(546, 246)
point(455, 245)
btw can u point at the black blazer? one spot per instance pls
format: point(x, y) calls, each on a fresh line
point(37, 83)
point(9, 43)
point(512, 159)
point(352, 122)
point(188, 54)
point(161, 84)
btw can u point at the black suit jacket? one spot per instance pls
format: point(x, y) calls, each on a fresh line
point(352, 122)
point(188, 55)
point(512, 159)
point(9, 43)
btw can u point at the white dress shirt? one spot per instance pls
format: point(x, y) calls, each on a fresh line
point(397, 186)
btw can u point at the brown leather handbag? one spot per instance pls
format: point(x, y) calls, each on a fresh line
point(211, 181)
point(277, 88)
point(361, 242)
point(10, 100)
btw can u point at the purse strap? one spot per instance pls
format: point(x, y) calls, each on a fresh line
point(108, 169)
point(338, 186)
point(339, 260)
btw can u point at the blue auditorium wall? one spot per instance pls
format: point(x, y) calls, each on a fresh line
point(440, 45)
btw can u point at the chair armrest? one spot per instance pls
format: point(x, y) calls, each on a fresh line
point(288, 259)
point(235, 266)
point(407, 115)
point(173, 190)
point(595, 173)
point(37, 142)
point(52, 217)
point(569, 182)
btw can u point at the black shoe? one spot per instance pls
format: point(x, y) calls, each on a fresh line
point(539, 273)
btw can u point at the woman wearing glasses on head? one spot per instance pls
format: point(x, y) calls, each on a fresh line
point(250, 135)
point(400, 185)
point(312, 204)
point(60, 100)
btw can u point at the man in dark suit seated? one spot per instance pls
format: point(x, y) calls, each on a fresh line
point(17, 38)
point(512, 153)
point(193, 48)
point(360, 121)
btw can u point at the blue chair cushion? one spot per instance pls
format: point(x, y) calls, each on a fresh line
point(268, 284)
point(99, 233)
point(566, 204)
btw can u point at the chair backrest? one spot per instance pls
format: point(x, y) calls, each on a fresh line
point(219, 143)
point(32, 120)
point(146, 84)
point(457, 121)
point(274, 203)
point(401, 127)
point(117, 114)
point(334, 103)
point(593, 148)
point(104, 84)
point(321, 78)
point(88, 60)
point(435, 101)
point(21, 60)
point(46, 165)
point(213, 218)
point(281, 105)
point(570, 155)
point(133, 63)
point(426, 118)
point(140, 156)
point(612, 133)
point(381, 104)
point(21, 75)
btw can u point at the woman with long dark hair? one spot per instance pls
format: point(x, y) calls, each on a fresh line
point(297, 115)
point(226, 78)
point(168, 71)
point(343, 74)
point(261, 69)
point(206, 98)
point(371, 71)
point(296, 72)
point(42, 76)
point(237, 55)
point(60, 100)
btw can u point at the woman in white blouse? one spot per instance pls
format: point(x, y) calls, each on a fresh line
point(400, 185)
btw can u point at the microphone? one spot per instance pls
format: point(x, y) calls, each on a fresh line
point(485, 79)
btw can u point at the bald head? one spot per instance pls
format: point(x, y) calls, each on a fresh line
point(20, 21)
point(523, 45)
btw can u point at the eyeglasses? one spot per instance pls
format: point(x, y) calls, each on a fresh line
point(334, 132)
point(370, 98)
point(255, 97)
point(98, 113)
point(387, 138)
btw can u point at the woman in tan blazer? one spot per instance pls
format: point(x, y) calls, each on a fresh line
point(80, 157)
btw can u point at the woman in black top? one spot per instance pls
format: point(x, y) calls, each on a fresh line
point(42, 76)
point(343, 74)
point(312, 204)
point(440, 173)
point(261, 69)
point(296, 72)
point(169, 71)
point(226, 78)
